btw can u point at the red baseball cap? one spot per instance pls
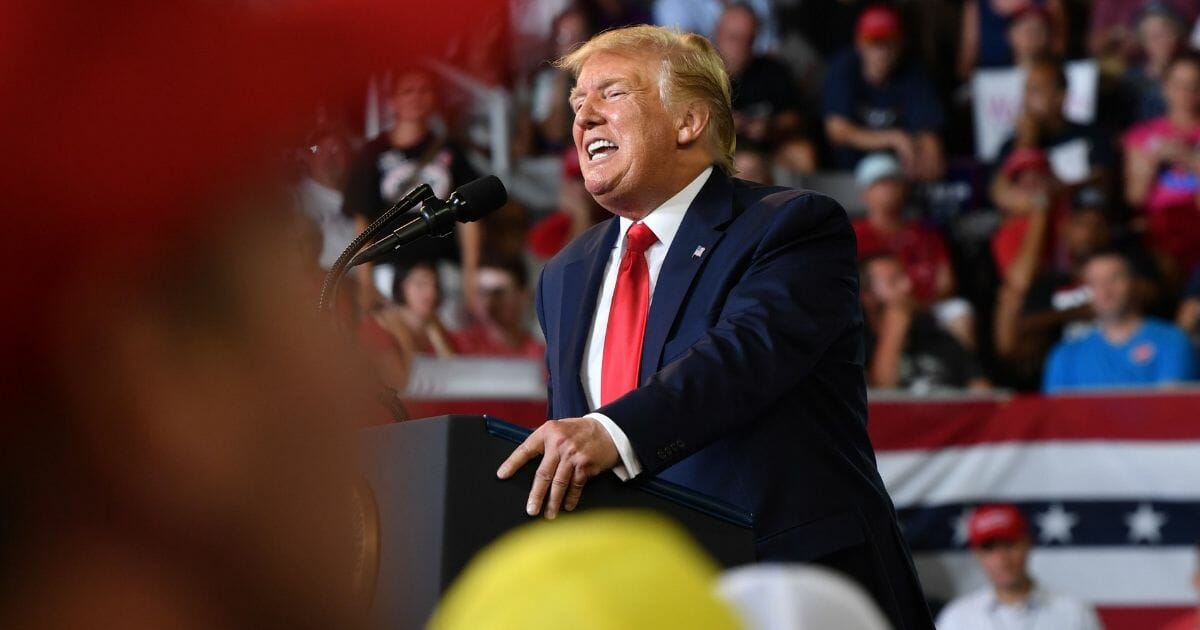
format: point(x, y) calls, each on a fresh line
point(878, 22)
point(570, 164)
point(996, 522)
point(1025, 159)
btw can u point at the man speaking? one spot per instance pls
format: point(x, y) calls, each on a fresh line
point(713, 330)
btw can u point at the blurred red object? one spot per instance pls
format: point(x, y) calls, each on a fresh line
point(121, 124)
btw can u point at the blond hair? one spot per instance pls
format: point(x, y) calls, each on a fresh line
point(691, 71)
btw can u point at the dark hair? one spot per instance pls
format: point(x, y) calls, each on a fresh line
point(512, 265)
point(1055, 65)
point(1110, 252)
point(403, 271)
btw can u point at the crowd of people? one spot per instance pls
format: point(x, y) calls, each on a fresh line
point(1068, 258)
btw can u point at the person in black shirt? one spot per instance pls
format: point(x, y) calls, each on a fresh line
point(766, 103)
point(400, 159)
point(1042, 125)
point(906, 348)
point(874, 100)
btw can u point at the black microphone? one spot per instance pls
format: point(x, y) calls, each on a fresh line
point(471, 202)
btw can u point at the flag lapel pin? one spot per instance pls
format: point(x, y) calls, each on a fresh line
point(699, 251)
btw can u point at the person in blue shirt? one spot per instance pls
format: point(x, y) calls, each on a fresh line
point(1125, 349)
point(873, 101)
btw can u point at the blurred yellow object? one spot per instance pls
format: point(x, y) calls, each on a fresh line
point(609, 570)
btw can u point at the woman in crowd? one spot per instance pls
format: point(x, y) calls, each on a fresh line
point(1162, 162)
point(413, 319)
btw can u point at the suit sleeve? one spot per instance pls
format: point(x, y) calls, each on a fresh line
point(798, 295)
point(541, 315)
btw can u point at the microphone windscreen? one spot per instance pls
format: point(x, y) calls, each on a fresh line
point(480, 198)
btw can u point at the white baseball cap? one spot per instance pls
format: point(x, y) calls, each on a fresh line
point(875, 167)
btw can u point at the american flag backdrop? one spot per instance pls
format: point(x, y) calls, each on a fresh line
point(1110, 485)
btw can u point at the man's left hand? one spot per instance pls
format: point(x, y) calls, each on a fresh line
point(574, 450)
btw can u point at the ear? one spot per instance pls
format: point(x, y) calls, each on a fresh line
point(691, 124)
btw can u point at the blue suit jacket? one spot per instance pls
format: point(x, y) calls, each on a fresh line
point(752, 386)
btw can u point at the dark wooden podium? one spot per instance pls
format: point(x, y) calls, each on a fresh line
point(437, 502)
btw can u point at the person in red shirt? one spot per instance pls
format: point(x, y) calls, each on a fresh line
point(921, 249)
point(576, 212)
point(502, 303)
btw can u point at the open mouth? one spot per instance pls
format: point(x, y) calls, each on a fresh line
point(600, 149)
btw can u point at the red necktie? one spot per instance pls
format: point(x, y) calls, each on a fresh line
point(627, 319)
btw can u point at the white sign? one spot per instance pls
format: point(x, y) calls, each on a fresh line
point(997, 102)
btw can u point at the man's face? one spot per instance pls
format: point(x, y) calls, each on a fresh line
point(885, 197)
point(501, 301)
point(1003, 561)
point(735, 38)
point(879, 56)
point(1111, 285)
point(625, 135)
point(1181, 88)
point(1029, 36)
point(413, 97)
point(1043, 96)
point(236, 462)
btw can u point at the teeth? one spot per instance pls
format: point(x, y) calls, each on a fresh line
point(596, 145)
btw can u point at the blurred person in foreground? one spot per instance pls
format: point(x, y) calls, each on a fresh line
point(502, 307)
point(1191, 619)
point(920, 248)
point(906, 347)
point(412, 316)
point(766, 99)
point(608, 570)
point(710, 333)
point(1126, 349)
point(1000, 541)
point(409, 154)
point(876, 101)
point(798, 597)
point(176, 445)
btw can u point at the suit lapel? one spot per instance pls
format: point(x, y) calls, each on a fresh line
point(698, 235)
point(582, 279)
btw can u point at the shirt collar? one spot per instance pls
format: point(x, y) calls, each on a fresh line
point(1033, 600)
point(665, 220)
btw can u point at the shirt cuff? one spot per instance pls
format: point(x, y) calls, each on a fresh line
point(629, 467)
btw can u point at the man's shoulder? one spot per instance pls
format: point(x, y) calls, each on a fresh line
point(1163, 330)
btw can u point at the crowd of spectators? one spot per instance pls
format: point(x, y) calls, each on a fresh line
point(1065, 256)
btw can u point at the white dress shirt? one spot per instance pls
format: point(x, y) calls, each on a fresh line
point(1041, 610)
point(664, 221)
